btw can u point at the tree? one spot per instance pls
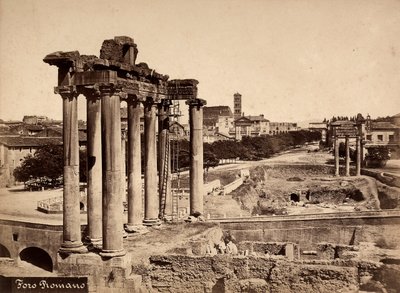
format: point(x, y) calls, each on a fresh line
point(377, 156)
point(47, 161)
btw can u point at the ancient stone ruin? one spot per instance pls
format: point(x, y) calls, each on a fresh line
point(105, 81)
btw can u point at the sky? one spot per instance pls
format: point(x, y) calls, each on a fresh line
point(292, 60)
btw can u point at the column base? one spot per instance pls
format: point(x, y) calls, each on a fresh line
point(151, 222)
point(72, 247)
point(137, 229)
point(93, 244)
point(110, 253)
point(87, 240)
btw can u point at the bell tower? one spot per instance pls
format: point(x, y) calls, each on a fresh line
point(237, 105)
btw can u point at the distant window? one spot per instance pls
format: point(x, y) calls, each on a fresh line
point(369, 137)
point(380, 137)
point(391, 137)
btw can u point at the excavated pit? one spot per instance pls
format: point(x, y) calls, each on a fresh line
point(305, 189)
point(260, 266)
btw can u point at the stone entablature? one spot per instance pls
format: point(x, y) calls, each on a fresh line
point(113, 68)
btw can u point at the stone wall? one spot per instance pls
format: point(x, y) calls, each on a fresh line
point(308, 231)
point(16, 236)
point(177, 273)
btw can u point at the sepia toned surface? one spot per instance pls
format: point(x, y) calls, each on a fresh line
point(300, 220)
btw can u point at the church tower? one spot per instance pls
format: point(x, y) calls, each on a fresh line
point(237, 106)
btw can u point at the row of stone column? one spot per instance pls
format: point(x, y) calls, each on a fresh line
point(105, 170)
point(347, 158)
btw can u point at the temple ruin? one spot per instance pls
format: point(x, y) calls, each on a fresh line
point(105, 81)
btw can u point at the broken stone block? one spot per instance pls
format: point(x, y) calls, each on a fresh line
point(120, 49)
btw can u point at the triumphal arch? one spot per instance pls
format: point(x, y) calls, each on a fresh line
point(105, 81)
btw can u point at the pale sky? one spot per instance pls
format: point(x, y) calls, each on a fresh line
point(291, 60)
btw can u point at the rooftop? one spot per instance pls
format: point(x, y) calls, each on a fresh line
point(384, 125)
point(29, 141)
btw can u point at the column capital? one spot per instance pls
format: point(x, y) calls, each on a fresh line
point(66, 91)
point(196, 102)
point(133, 99)
point(112, 90)
point(91, 92)
point(150, 102)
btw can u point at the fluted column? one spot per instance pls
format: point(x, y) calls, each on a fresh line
point(94, 165)
point(336, 156)
point(135, 204)
point(111, 152)
point(164, 182)
point(347, 156)
point(196, 156)
point(150, 165)
point(71, 211)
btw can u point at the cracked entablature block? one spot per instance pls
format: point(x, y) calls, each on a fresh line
point(60, 58)
point(120, 49)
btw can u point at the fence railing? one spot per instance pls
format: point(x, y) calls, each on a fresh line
point(50, 205)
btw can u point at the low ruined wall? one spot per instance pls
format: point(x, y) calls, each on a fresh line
point(307, 232)
point(233, 185)
point(178, 273)
point(16, 236)
point(211, 186)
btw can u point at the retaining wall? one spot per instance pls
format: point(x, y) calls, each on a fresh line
point(308, 230)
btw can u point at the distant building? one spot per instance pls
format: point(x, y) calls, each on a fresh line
point(177, 131)
point(218, 122)
point(225, 125)
point(321, 127)
point(211, 115)
point(282, 127)
point(251, 126)
point(383, 133)
point(34, 120)
point(13, 150)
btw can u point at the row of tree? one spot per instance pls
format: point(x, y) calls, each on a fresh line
point(249, 148)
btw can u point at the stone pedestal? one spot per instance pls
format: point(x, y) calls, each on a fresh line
point(150, 166)
point(71, 197)
point(196, 156)
point(111, 151)
point(103, 274)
